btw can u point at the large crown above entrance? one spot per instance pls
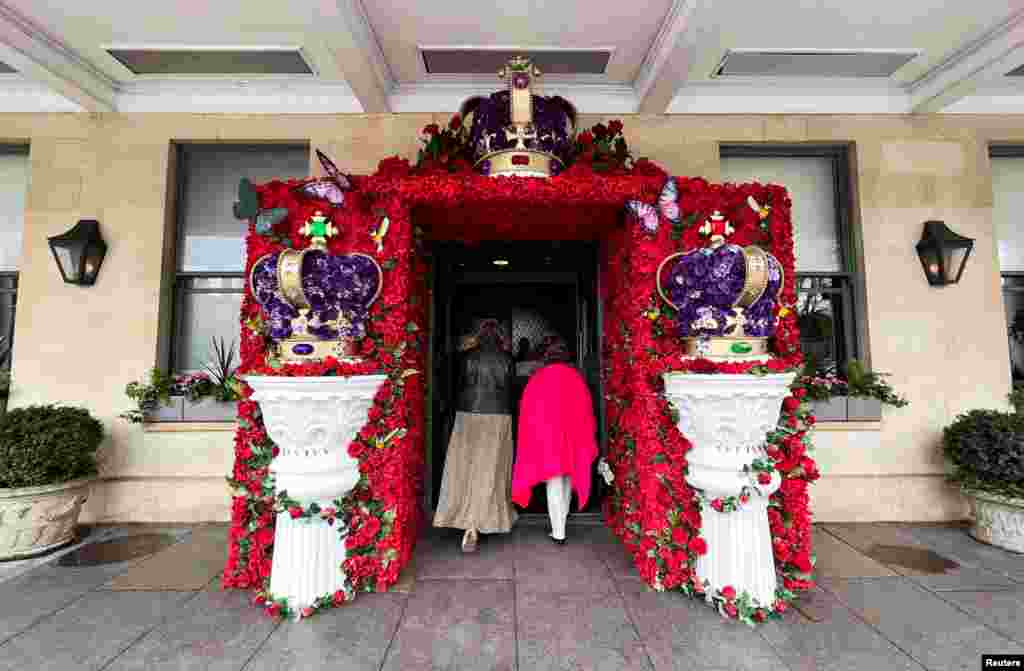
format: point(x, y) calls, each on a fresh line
point(515, 132)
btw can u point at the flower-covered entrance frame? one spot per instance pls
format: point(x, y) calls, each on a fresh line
point(653, 511)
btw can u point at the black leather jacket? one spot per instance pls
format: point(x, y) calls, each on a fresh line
point(486, 382)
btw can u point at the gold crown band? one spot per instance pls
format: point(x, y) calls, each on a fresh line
point(724, 347)
point(755, 279)
point(289, 277)
point(299, 349)
point(519, 162)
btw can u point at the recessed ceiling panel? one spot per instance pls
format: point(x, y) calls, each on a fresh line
point(212, 61)
point(479, 62)
point(743, 63)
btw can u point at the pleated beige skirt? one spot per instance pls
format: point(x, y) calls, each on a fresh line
point(476, 490)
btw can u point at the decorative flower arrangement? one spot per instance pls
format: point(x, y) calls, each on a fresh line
point(445, 149)
point(651, 508)
point(858, 383)
point(603, 148)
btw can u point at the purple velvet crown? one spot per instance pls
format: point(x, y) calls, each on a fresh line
point(339, 290)
point(554, 119)
point(706, 286)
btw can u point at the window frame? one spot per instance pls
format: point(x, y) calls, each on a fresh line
point(182, 279)
point(12, 276)
point(851, 274)
point(1006, 278)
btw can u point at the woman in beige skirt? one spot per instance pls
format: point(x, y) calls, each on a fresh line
point(476, 488)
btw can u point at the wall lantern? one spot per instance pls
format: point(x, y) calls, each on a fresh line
point(79, 252)
point(943, 253)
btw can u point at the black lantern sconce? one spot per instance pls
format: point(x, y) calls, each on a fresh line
point(79, 252)
point(943, 253)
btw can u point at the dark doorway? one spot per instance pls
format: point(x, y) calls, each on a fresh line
point(533, 289)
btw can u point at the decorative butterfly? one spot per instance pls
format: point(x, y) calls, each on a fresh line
point(645, 214)
point(762, 210)
point(668, 201)
point(668, 207)
point(248, 208)
point(331, 188)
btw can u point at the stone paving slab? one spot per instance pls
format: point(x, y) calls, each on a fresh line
point(456, 625)
point(354, 637)
point(188, 565)
point(954, 542)
point(215, 631)
point(930, 630)
point(838, 559)
point(1002, 611)
point(439, 556)
point(542, 565)
point(90, 632)
point(831, 638)
point(576, 630)
point(681, 633)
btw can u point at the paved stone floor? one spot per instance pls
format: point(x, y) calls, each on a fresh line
point(891, 596)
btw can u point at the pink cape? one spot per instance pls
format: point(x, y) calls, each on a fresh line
point(556, 433)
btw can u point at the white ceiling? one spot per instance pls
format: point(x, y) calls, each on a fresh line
point(365, 53)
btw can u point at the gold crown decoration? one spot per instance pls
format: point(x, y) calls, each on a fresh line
point(342, 288)
point(523, 147)
point(725, 295)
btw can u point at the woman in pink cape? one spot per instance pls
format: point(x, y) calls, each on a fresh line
point(556, 443)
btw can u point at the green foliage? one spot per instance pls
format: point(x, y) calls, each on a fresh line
point(986, 450)
point(222, 371)
point(1016, 398)
point(148, 396)
point(867, 384)
point(47, 444)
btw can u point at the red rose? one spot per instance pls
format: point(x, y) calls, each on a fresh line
point(730, 610)
point(780, 606)
point(586, 138)
point(273, 610)
point(728, 593)
point(614, 127)
point(455, 123)
point(717, 504)
point(809, 420)
point(339, 598)
point(599, 131)
point(698, 545)
point(295, 512)
point(307, 611)
point(800, 393)
point(680, 537)
point(764, 478)
point(744, 498)
point(431, 129)
point(759, 616)
point(790, 404)
point(803, 562)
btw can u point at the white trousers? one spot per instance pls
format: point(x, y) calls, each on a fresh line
point(559, 497)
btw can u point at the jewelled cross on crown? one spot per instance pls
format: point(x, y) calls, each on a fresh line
point(318, 228)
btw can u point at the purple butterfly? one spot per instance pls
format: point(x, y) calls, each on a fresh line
point(645, 214)
point(668, 201)
point(331, 188)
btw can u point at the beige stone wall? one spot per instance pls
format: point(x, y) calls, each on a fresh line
point(946, 348)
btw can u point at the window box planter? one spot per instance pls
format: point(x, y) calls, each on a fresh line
point(864, 409)
point(832, 410)
point(175, 412)
point(210, 410)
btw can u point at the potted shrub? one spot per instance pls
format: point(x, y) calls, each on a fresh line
point(47, 464)
point(985, 451)
point(867, 391)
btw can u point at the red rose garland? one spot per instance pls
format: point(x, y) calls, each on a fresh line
point(650, 508)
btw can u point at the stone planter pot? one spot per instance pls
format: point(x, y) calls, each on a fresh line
point(834, 409)
point(210, 410)
point(864, 409)
point(175, 412)
point(36, 520)
point(998, 520)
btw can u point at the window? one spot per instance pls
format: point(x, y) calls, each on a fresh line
point(1008, 199)
point(209, 278)
point(819, 185)
point(13, 189)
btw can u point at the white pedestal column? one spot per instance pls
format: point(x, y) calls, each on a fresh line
point(312, 420)
point(726, 418)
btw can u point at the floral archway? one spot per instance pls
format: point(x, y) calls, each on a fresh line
point(391, 215)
